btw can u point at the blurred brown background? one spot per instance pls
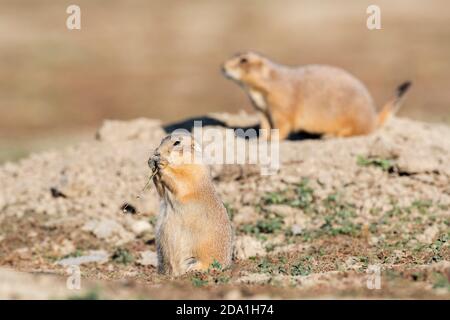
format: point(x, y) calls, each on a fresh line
point(161, 59)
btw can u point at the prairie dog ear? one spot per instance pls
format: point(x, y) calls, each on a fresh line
point(261, 68)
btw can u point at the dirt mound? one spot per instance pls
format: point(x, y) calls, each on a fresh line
point(382, 199)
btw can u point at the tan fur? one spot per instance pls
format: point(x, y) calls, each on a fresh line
point(313, 98)
point(193, 227)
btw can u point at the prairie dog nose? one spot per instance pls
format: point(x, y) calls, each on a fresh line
point(153, 161)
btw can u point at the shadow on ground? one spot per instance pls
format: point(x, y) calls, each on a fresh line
point(207, 121)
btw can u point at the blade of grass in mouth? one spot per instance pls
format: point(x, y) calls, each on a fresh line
point(149, 181)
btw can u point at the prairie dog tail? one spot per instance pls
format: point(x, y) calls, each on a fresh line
point(392, 106)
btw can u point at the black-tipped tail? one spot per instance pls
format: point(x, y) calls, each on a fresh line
point(401, 89)
point(392, 106)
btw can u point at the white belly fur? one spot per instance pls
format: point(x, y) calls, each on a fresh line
point(258, 99)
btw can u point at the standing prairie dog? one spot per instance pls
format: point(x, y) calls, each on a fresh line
point(193, 228)
point(313, 98)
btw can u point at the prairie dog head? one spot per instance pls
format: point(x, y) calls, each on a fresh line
point(248, 68)
point(175, 150)
point(176, 166)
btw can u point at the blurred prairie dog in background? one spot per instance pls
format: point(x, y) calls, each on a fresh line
point(313, 98)
point(193, 228)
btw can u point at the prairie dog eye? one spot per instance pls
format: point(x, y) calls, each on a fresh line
point(176, 143)
point(243, 60)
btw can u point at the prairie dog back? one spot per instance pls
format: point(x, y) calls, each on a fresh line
point(329, 97)
point(314, 98)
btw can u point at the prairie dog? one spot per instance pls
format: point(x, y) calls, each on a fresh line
point(313, 98)
point(193, 228)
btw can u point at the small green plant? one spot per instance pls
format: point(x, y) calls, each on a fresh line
point(365, 262)
point(395, 211)
point(339, 217)
point(77, 253)
point(153, 220)
point(441, 281)
point(301, 268)
point(384, 164)
point(230, 210)
point(265, 266)
point(264, 226)
point(222, 279)
point(198, 282)
point(215, 265)
point(270, 247)
point(269, 225)
point(305, 195)
point(274, 198)
point(213, 275)
point(422, 205)
point(92, 294)
point(122, 256)
point(437, 246)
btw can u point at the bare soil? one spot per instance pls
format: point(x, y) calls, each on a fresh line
point(336, 209)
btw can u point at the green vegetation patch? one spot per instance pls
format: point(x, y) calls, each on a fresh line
point(122, 256)
point(384, 164)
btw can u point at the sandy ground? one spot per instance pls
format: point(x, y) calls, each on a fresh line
point(337, 212)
